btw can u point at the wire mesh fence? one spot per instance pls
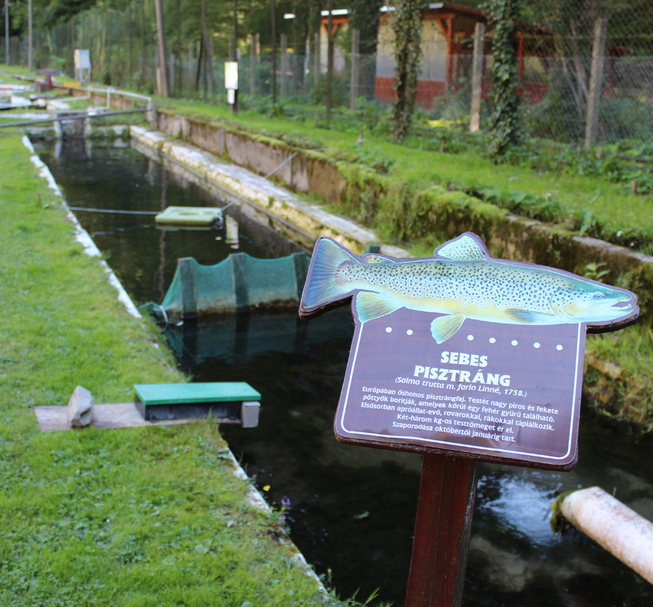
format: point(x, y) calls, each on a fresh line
point(554, 64)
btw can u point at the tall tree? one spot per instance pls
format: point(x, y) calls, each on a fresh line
point(407, 26)
point(504, 119)
point(60, 11)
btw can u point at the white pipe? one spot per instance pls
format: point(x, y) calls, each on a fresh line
point(114, 91)
point(614, 526)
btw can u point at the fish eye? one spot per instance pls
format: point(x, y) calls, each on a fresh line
point(599, 295)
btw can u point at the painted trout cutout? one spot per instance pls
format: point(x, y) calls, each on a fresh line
point(461, 281)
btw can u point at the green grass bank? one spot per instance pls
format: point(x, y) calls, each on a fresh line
point(133, 517)
point(590, 205)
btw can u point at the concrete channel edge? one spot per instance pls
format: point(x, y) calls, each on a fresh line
point(262, 193)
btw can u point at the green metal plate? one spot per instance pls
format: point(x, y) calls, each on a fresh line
point(162, 394)
point(188, 216)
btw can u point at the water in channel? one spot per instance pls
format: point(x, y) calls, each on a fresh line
point(351, 509)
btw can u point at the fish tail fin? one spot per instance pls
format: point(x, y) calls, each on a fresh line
point(322, 288)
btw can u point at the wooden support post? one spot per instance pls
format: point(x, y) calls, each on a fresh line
point(477, 77)
point(284, 65)
point(596, 81)
point(355, 68)
point(442, 531)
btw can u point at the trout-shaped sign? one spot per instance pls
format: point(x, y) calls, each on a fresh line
point(463, 353)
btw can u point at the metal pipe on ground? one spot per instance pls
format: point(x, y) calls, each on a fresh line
point(80, 116)
point(612, 525)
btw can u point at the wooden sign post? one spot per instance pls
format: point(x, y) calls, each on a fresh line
point(462, 358)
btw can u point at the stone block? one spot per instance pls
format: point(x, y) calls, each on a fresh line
point(80, 408)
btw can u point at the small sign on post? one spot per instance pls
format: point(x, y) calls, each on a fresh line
point(231, 84)
point(462, 358)
point(82, 65)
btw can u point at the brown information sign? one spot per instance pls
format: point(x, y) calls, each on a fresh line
point(501, 394)
point(463, 354)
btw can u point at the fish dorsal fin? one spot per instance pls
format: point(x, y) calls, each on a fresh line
point(444, 327)
point(464, 248)
point(372, 305)
point(373, 258)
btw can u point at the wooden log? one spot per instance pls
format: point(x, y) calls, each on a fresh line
point(612, 525)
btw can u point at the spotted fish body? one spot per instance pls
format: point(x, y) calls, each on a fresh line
point(462, 281)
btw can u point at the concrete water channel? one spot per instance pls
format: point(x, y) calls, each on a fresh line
point(350, 510)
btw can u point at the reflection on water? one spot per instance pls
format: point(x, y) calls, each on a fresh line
point(231, 232)
point(352, 509)
point(143, 256)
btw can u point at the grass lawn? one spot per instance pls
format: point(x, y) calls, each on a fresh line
point(133, 517)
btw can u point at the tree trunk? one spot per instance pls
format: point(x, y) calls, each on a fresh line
point(407, 25)
point(504, 120)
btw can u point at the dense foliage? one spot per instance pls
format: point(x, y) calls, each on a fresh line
point(504, 101)
point(407, 27)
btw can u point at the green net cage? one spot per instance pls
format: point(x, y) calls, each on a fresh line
point(240, 282)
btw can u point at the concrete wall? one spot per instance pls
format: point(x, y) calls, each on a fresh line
point(303, 172)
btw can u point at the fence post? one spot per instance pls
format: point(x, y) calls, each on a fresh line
point(30, 37)
point(355, 68)
point(209, 57)
point(7, 39)
point(329, 80)
point(252, 64)
point(596, 81)
point(273, 32)
point(284, 65)
point(307, 63)
point(316, 69)
point(477, 77)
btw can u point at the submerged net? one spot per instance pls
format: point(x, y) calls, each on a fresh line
point(239, 282)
